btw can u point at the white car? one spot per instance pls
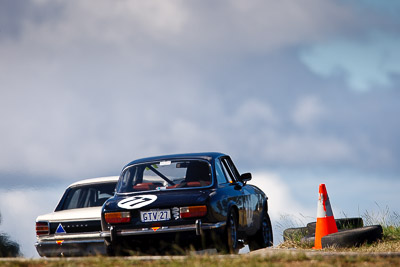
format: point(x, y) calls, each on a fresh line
point(73, 229)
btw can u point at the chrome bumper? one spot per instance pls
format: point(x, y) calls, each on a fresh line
point(72, 238)
point(71, 245)
point(198, 227)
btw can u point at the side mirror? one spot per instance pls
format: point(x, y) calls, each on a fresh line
point(245, 177)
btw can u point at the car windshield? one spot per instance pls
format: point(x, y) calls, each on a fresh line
point(86, 196)
point(165, 175)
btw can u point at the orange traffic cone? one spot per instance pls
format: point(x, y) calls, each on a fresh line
point(325, 221)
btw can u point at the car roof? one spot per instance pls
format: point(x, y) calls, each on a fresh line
point(98, 180)
point(209, 156)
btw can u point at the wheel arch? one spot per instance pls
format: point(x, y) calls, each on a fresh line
point(233, 207)
point(265, 203)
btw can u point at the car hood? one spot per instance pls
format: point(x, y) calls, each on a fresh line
point(84, 214)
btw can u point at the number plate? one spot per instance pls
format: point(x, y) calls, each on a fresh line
point(155, 215)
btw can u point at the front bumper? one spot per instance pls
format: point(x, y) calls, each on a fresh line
point(82, 244)
point(198, 227)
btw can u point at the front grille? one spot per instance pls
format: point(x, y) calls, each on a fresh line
point(77, 226)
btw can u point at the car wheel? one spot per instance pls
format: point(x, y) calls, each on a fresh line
point(109, 248)
point(113, 249)
point(231, 244)
point(228, 241)
point(263, 238)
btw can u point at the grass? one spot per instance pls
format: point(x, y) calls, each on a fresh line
point(277, 259)
point(390, 222)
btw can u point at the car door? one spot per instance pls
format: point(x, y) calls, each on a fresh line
point(228, 193)
point(248, 200)
point(241, 201)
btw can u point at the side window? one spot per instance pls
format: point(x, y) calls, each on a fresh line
point(220, 173)
point(90, 197)
point(72, 200)
point(125, 179)
point(229, 174)
point(104, 192)
point(232, 168)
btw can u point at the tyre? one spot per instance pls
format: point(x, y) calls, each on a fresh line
point(114, 249)
point(231, 233)
point(229, 243)
point(109, 248)
point(294, 234)
point(263, 238)
point(343, 223)
point(308, 239)
point(353, 237)
point(110, 251)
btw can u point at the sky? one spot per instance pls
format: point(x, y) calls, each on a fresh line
point(297, 92)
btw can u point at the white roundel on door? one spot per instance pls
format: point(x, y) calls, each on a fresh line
point(137, 202)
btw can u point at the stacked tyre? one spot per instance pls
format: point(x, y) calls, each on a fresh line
point(350, 233)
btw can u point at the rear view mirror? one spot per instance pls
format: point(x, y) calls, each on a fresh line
point(245, 177)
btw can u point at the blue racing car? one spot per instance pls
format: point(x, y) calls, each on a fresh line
point(167, 203)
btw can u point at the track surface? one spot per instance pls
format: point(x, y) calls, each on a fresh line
point(267, 252)
point(312, 253)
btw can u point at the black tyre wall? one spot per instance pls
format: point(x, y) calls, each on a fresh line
point(353, 237)
point(343, 223)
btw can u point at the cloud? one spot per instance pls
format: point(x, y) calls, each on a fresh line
point(308, 111)
point(365, 64)
point(19, 209)
point(388, 8)
point(281, 200)
point(85, 90)
point(305, 149)
point(284, 208)
point(254, 113)
point(137, 26)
